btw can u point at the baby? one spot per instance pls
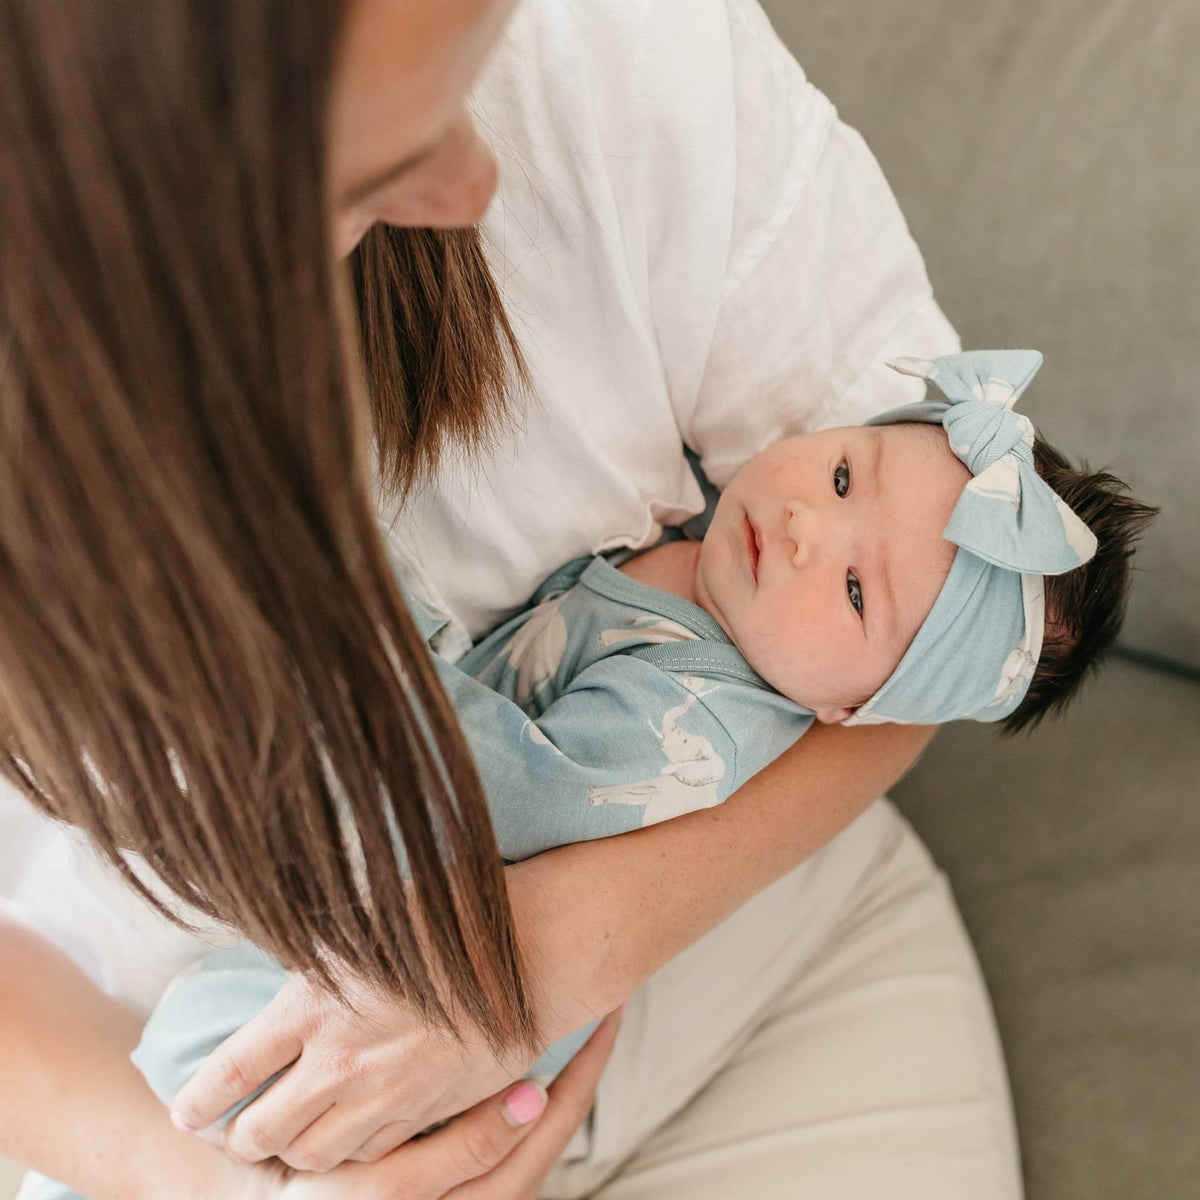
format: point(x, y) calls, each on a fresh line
point(921, 568)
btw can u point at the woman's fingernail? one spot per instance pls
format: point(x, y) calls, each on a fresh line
point(181, 1124)
point(525, 1103)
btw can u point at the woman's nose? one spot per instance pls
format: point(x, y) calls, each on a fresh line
point(803, 529)
point(468, 178)
point(453, 188)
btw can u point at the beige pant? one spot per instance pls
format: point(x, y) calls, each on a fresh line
point(833, 1040)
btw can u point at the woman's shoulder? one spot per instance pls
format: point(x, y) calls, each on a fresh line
point(655, 85)
point(624, 94)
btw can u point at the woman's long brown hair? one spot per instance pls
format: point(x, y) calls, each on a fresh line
point(204, 657)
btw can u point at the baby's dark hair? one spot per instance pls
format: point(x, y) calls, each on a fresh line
point(1084, 607)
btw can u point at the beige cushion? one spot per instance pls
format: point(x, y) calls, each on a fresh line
point(1073, 856)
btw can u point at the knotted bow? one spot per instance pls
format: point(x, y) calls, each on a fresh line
point(1008, 515)
point(976, 652)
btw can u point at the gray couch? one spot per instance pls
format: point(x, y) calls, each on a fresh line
point(1047, 156)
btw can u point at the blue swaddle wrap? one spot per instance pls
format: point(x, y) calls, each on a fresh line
point(975, 654)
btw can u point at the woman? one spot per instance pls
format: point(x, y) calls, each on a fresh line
point(171, 184)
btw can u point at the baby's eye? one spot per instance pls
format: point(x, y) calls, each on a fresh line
point(854, 591)
point(841, 478)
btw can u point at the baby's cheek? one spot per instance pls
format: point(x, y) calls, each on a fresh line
point(782, 649)
point(810, 658)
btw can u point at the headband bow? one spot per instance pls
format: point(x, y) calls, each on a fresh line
point(976, 652)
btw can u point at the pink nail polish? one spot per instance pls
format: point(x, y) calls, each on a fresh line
point(525, 1103)
point(181, 1124)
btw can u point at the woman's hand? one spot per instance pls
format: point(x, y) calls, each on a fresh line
point(487, 1153)
point(359, 1085)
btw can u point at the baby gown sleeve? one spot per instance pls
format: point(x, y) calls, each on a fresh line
point(626, 744)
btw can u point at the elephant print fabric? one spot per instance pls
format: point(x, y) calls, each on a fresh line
point(607, 705)
point(688, 780)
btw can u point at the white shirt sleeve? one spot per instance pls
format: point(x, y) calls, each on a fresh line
point(51, 880)
point(823, 282)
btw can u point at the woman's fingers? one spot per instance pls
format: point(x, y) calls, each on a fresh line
point(520, 1175)
point(284, 1112)
point(428, 1169)
point(337, 1135)
point(385, 1141)
point(469, 1147)
point(501, 1149)
point(244, 1061)
point(570, 1099)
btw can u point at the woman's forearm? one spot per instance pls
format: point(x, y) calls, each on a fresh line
point(71, 1103)
point(650, 894)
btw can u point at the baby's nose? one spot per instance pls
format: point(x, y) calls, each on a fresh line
point(802, 530)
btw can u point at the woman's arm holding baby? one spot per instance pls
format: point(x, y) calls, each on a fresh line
point(75, 1108)
point(596, 919)
point(599, 918)
point(64, 1066)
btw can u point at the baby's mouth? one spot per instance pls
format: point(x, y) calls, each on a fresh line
point(752, 546)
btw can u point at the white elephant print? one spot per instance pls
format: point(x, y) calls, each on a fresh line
point(995, 391)
point(687, 782)
point(646, 629)
point(537, 648)
point(1018, 666)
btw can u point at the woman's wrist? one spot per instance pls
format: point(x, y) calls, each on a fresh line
point(175, 1164)
point(74, 1106)
point(568, 950)
point(145, 1157)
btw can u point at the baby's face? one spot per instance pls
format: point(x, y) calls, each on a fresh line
point(825, 555)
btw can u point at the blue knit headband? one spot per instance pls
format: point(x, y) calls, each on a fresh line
point(975, 654)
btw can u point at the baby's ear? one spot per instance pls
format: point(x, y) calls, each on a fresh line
point(833, 716)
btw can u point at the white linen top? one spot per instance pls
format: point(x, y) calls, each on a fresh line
point(694, 251)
